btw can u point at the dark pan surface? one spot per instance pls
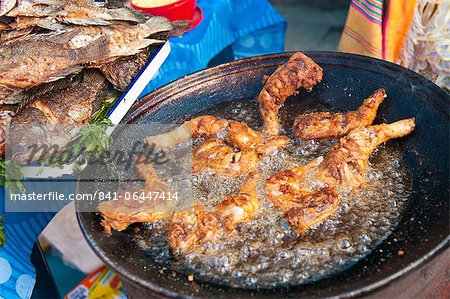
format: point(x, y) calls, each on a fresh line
point(424, 227)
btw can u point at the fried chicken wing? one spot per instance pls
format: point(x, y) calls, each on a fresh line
point(309, 191)
point(299, 71)
point(191, 228)
point(119, 214)
point(333, 125)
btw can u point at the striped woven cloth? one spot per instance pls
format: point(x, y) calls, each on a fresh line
point(363, 32)
point(377, 28)
point(412, 33)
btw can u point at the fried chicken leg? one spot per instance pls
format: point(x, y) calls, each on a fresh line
point(299, 72)
point(333, 125)
point(346, 162)
point(308, 194)
point(188, 229)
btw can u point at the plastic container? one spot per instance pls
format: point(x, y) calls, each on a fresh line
point(179, 10)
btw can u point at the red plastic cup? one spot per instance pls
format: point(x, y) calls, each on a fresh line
point(179, 10)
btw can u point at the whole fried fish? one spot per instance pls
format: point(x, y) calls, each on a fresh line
point(21, 23)
point(23, 96)
point(9, 35)
point(32, 8)
point(124, 39)
point(56, 117)
point(77, 12)
point(37, 59)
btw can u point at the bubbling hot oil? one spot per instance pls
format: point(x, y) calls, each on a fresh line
point(265, 252)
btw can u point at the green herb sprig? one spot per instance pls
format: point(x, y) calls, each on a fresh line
point(92, 143)
point(2, 232)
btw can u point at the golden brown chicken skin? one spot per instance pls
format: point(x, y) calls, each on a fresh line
point(192, 228)
point(299, 71)
point(235, 209)
point(320, 125)
point(121, 213)
point(237, 133)
point(310, 191)
point(313, 209)
point(230, 146)
point(216, 154)
point(346, 162)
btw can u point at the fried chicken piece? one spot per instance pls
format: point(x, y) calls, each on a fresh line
point(299, 71)
point(287, 188)
point(231, 146)
point(189, 229)
point(313, 210)
point(333, 125)
point(119, 214)
point(295, 191)
point(346, 162)
point(237, 133)
point(216, 154)
point(271, 145)
point(235, 209)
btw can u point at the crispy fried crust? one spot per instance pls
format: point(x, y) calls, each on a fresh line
point(235, 209)
point(313, 209)
point(299, 72)
point(188, 229)
point(216, 154)
point(333, 125)
point(122, 71)
point(192, 228)
point(119, 214)
point(346, 162)
point(309, 185)
point(230, 146)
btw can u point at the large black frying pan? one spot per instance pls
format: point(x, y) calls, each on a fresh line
point(424, 227)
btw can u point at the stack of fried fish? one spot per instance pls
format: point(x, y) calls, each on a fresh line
point(59, 58)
